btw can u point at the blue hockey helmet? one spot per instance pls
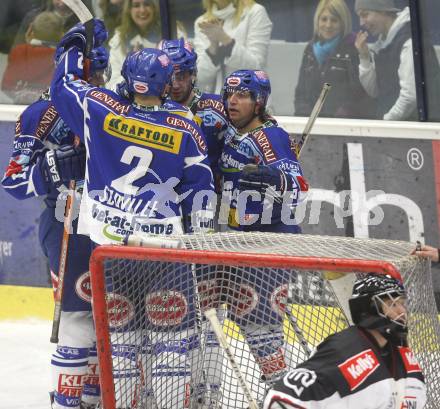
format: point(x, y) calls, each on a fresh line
point(147, 72)
point(255, 81)
point(181, 54)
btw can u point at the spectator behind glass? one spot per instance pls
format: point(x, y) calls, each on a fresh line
point(386, 68)
point(11, 17)
point(56, 6)
point(140, 28)
point(111, 11)
point(332, 57)
point(30, 65)
point(231, 35)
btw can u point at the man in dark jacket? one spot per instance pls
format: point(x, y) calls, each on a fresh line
point(386, 68)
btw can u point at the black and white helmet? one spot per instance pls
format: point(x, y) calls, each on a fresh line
point(366, 304)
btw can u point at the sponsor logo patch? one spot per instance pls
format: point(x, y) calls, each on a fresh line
point(265, 146)
point(165, 308)
point(109, 101)
point(359, 367)
point(409, 360)
point(233, 81)
point(140, 87)
point(209, 292)
point(243, 299)
point(132, 130)
point(272, 364)
point(181, 123)
point(83, 287)
point(70, 385)
point(46, 122)
point(278, 299)
point(120, 310)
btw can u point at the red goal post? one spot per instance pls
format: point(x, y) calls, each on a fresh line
point(141, 336)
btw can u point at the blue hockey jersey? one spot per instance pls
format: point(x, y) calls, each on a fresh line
point(146, 166)
point(267, 145)
point(210, 108)
point(38, 129)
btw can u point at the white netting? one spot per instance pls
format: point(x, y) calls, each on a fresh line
point(166, 356)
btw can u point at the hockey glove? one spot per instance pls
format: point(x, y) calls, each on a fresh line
point(76, 37)
point(64, 164)
point(267, 180)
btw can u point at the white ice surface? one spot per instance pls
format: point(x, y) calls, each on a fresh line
point(25, 353)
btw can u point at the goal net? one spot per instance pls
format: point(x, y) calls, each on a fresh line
point(277, 297)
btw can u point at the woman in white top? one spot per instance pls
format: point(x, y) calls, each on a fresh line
point(231, 35)
point(140, 28)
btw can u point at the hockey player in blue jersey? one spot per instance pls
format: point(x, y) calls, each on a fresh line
point(147, 173)
point(131, 143)
point(46, 155)
point(262, 183)
point(208, 107)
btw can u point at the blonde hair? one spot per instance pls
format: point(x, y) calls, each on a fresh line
point(47, 26)
point(239, 5)
point(128, 29)
point(339, 9)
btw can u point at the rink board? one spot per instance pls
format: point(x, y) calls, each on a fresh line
point(369, 158)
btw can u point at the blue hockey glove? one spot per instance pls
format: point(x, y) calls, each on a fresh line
point(76, 37)
point(64, 164)
point(267, 180)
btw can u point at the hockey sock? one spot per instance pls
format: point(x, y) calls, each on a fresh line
point(69, 371)
point(266, 345)
point(91, 390)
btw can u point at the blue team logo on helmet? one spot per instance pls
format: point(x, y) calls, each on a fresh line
point(255, 81)
point(147, 72)
point(181, 54)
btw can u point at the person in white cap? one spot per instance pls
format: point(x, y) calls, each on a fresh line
point(386, 69)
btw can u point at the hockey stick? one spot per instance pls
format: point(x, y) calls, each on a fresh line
point(312, 118)
point(211, 315)
point(84, 15)
point(62, 265)
point(294, 322)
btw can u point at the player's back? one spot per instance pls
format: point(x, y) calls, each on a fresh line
point(142, 161)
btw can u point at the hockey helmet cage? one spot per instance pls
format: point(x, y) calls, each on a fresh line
point(365, 300)
point(147, 72)
point(181, 53)
point(255, 81)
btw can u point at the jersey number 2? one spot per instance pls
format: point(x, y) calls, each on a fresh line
point(124, 184)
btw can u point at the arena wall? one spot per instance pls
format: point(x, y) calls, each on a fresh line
point(388, 172)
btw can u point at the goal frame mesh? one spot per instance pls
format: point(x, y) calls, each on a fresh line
point(201, 256)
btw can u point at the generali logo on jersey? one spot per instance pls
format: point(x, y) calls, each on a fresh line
point(409, 360)
point(359, 367)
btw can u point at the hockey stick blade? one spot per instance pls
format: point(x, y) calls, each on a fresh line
point(211, 315)
point(80, 10)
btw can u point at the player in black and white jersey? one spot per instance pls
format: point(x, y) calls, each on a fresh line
point(366, 366)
